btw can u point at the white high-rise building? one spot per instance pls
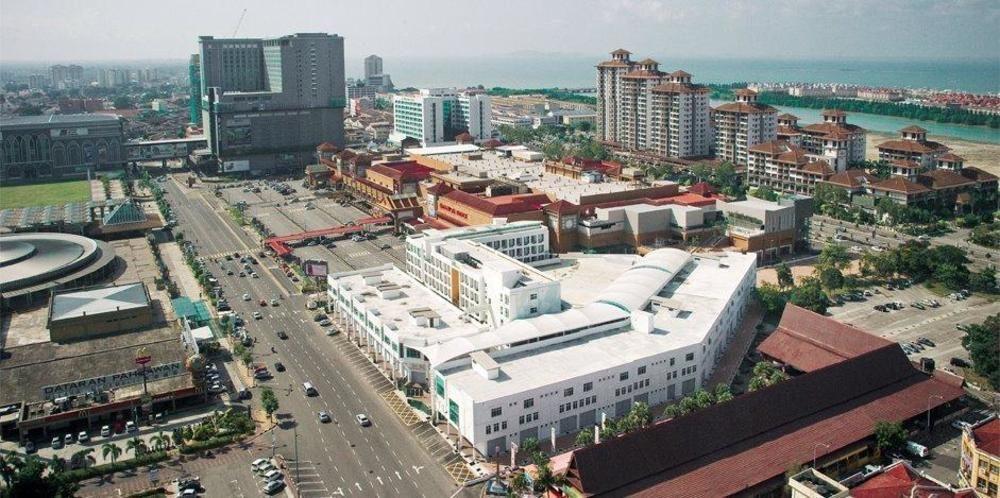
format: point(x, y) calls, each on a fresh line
point(642, 108)
point(742, 124)
point(435, 116)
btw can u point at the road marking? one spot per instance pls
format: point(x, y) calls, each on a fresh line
point(399, 476)
point(356, 484)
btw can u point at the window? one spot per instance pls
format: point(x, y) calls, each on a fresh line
point(528, 403)
point(671, 362)
point(562, 408)
point(623, 376)
point(642, 370)
point(533, 310)
point(520, 420)
point(567, 392)
point(496, 427)
point(496, 412)
point(488, 430)
point(689, 357)
point(588, 386)
point(534, 296)
point(503, 425)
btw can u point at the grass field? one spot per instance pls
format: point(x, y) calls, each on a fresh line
point(43, 194)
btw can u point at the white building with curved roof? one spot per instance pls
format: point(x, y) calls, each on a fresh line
point(652, 334)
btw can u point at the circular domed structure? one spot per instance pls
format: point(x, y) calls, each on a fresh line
point(32, 264)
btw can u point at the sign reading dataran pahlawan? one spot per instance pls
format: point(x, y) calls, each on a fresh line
point(112, 381)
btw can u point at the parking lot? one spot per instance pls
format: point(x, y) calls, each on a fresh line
point(301, 211)
point(908, 324)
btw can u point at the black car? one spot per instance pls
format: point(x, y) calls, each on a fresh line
point(319, 317)
point(279, 367)
point(958, 362)
point(282, 335)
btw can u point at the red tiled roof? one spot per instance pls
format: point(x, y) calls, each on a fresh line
point(680, 73)
point(772, 147)
point(988, 437)
point(978, 174)
point(852, 178)
point(745, 92)
point(463, 137)
point(492, 143)
point(647, 61)
point(817, 168)
point(644, 74)
point(834, 112)
point(562, 207)
point(913, 129)
point(900, 184)
point(834, 130)
point(951, 157)
point(809, 341)
point(612, 64)
point(702, 188)
point(943, 178)
point(899, 481)
point(912, 146)
point(691, 199)
point(788, 131)
point(788, 117)
point(438, 189)
point(621, 51)
point(793, 155)
point(746, 108)
point(501, 205)
point(730, 447)
point(404, 172)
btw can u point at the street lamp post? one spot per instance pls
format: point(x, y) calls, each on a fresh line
point(295, 436)
point(814, 452)
point(929, 398)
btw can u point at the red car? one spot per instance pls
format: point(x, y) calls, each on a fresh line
point(263, 302)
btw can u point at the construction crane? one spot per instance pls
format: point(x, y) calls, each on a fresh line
point(239, 23)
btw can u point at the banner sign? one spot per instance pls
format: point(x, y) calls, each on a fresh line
point(112, 381)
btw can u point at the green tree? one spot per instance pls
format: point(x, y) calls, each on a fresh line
point(136, 446)
point(834, 256)
point(809, 295)
point(880, 264)
point(520, 483)
point(785, 278)
point(111, 450)
point(831, 278)
point(638, 416)
point(765, 193)
point(672, 411)
point(772, 299)
point(269, 401)
point(122, 102)
point(31, 481)
point(889, 436)
point(585, 437)
point(984, 280)
point(545, 479)
point(722, 393)
point(765, 374)
point(10, 464)
point(529, 446)
point(554, 150)
point(83, 458)
point(703, 398)
point(982, 341)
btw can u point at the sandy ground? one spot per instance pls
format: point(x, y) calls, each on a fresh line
point(799, 271)
point(981, 155)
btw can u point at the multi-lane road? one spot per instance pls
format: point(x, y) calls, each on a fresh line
point(337, 458)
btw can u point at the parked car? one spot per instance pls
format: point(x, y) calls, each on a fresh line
point(83, 437)
point(274, 301)
point(130, 427)
point(282, 335)
point(246, 297)
point(257, 463)
point(319, 317)
point(325, 323)
point(272, 487)
point(280, 367)
point(57, 443)
point(257, 315)
point(29, 447)
point(959, 362)
point(106, 431)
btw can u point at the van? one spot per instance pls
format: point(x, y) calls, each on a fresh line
point(916, 449)
point(309, 389)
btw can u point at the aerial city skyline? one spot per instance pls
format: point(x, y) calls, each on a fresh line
point(630, 248)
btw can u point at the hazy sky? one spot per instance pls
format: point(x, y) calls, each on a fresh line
point(73, 30)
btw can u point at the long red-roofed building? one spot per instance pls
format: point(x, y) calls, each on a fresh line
point(743, 447)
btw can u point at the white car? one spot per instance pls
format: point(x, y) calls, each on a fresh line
point(264, 468)
point(258, 462)
point(257, 315)
point(106, 431)
point(246, 297)
point(273, 475)
point(363, 420)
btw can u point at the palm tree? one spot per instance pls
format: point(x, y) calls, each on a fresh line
point(83, 458)
point(10, 465)
point(136, 446)
point(111, 449)
point(157, 442)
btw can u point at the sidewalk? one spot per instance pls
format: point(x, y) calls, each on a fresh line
point(96, 441)
point(179, 271)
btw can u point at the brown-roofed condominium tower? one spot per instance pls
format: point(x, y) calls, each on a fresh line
point(642, 108)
